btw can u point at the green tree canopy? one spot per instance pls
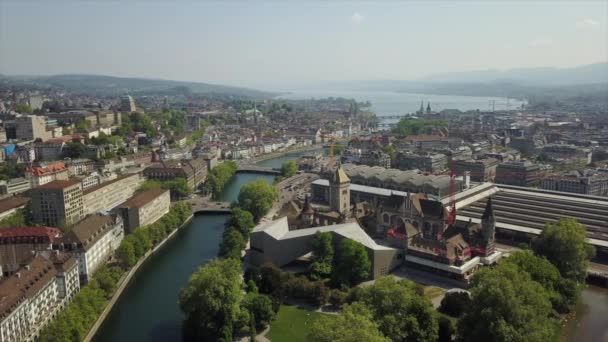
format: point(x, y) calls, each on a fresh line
point(149, 185)
point(74, 149)
point(220, 176)
point(323, 254)
point(260, 307)
point(507, 305)
point(564, 245)
point(257, 197)
point(179, 187)
point(562, 292)
point(289, 168)
point(242, 220)
point(232, 244)
point(400, 312)
point(211, 301)
point(354, 324)
point(412, 126)
point(351, 263)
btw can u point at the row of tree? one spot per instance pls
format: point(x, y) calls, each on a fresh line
point(216, 302)
point(220, 176)
point(134, 246)
point(74, 322)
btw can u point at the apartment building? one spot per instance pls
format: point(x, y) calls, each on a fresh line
point(33, 296)
point(579, 182)
point(17, 244)
point(518, 173)
point(481, 170)
point(193, 170)
point(14, 186)
point(58, 203)
point(108, 195)
point(429, 162)
point(145, 208)
point(31, 127)
point(45, 173)
point(93, 240)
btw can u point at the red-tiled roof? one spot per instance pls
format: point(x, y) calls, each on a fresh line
point(25, 232)
point(51, 168)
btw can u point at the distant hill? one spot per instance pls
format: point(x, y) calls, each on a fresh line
point(586, 74)
point(119, 85)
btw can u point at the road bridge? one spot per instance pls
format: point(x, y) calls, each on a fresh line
point(206, 205)
point(259, 169)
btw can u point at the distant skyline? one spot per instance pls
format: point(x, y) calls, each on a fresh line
point(271, 43)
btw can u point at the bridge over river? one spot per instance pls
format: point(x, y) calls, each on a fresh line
point(258, 169)
point(206, 205)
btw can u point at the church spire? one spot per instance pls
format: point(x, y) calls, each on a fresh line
point(489, 211)
point(421, 107)
point(428, 107)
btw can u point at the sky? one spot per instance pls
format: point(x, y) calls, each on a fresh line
point(257, 43)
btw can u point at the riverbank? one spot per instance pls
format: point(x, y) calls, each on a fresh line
point(127, 278)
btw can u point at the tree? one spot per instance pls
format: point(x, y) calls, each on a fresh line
point(232, 244)
point(354, 324)
point(411, 126)
point(211, 300)
point(126, 254)
point(507, 305)
point(289, 168)
point(351, 263)
point(149, 184)
point(455, 303)
point(563, 292)
point(323, 254)
point(390, 150)
point(259, 307)
point(270, 280)
point(74, 149)
point(446, 329)
point(242, 220)
point(400, 312)
point(564, 245)
point(257, 197)
point(179, 187)
point(23, 108)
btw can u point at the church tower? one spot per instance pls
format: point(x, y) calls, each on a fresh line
point(428, 107)
point(339, 192)
point(488, 227)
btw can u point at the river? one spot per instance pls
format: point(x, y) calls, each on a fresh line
point(148, 310)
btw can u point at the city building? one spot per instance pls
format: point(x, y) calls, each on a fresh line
point(145, 208)
point(274, 242)
point(45, 173)
point(93, 240)
point(428, 162)
point(193, 170)
point(585, 182)
point(108, 195)
point(563, 151)
point(31, 127)
point(518, 172)
point(33, 296)
point(481, 170)
point(11, 205)
point(375, 158)
point(17, 244)
point(339, 192)
point(14, 186)
point(58, 203)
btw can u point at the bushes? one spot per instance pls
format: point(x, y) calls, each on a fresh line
point(455, 303)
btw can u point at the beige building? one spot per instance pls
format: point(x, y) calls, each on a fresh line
point(93, 240)
point(31, 127)
point(58, 203)
point(274, 242)
point(108, 195)
point(339, 194)
point(145, 208)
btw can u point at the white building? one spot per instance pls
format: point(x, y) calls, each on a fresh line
point(32, 296)
point(93, 240)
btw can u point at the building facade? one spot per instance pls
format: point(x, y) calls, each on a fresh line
point(93, 240)
point(108, 195)
point(145, 208)
point(481, 170)
point(58, 203)
point(31, 127)
point(518, 173)
point(46, 173)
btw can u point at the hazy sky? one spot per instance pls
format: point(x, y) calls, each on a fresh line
point(283, 42)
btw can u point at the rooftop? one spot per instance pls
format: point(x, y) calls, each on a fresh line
point(141, 199)
point(12, 203)
point(103, 185)
point(86, 232)
point(22, 232)
point(58, 184)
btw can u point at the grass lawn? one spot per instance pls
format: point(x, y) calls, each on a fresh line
point(292, 324)
point(431, 292)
